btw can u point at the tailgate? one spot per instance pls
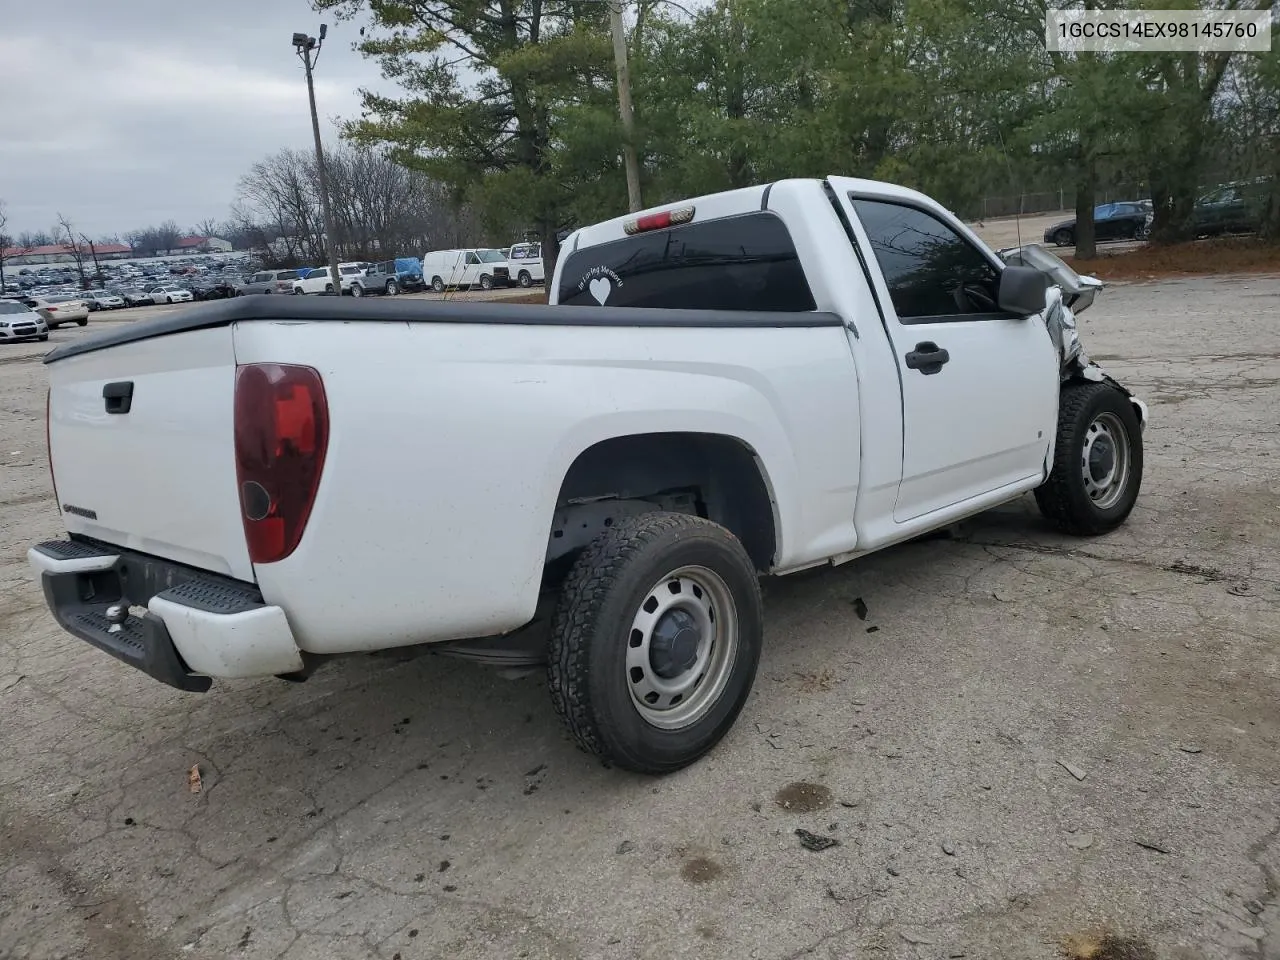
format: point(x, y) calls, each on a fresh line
point(158, 475)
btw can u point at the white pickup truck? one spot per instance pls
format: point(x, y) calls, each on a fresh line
point(748, 383)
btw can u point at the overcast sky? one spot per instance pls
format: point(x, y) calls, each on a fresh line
point(125, 113)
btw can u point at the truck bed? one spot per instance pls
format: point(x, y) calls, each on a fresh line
point(451, 428)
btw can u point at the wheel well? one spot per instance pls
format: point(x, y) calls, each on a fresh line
point(711, 475)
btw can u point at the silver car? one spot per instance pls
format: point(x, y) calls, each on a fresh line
point(102, 300)
point(20, 322)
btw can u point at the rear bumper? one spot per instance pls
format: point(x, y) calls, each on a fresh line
point(177, 624)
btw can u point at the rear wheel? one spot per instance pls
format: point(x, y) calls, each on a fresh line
point(486, 282)
point(84, 322)
point(357, 290)
point(328, 289)
point(1063, 238)
point(656, 641)
point(437, 285)
point(525, 279)
point(1097, 461)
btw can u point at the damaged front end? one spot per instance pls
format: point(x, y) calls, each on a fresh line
point(1069, 293)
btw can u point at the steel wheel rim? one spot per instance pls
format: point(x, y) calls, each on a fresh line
point(691, 598)
point(1106, 461)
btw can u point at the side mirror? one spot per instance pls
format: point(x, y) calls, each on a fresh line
point(1022, 290)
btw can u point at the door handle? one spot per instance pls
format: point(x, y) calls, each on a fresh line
point(118, 396)
point(927, 357)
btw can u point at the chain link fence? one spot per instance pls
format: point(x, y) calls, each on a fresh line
point(1047, 201)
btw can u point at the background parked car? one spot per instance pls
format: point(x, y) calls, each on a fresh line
point(20, 322)
point(58, 310)
point(525, 263)
point(102, 300)
point(1124, 220)
point(1231, 208)
point(316, 280)
point(269, 281)
point(171, 294)
point(378, 278)
point(132, 296)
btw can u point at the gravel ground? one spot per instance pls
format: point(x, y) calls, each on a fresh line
point(1029, 738)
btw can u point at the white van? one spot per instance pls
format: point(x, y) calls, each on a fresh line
point(525, 260)
point(467, 268)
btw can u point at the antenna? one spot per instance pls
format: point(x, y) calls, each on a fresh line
point(1017, 217)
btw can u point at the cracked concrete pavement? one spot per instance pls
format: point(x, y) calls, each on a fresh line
point(408, 808)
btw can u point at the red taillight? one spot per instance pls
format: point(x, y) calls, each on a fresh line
point(657, 221)
point(52, 309)
point(48, 445)
point(281, 435)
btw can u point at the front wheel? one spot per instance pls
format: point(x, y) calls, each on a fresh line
point(1097, 461)
point(43, 336)
point(392, 289)
point(656, 641)
point(1063, 238)
point(328, 289)
point(82, 323)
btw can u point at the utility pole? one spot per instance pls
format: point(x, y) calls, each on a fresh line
point(308, 50)
point(624, 105)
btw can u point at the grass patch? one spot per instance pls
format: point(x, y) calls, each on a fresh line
point(1199, 259)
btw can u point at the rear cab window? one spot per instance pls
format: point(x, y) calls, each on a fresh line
point(741, 263)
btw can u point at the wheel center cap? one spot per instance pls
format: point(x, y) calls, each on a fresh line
point(674, 647)
point(1102, 458)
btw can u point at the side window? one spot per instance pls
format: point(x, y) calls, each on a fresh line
point(742, 263)
point(932, 272)
point(472, 259)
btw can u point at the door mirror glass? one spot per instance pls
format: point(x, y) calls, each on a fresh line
point(1022, 290)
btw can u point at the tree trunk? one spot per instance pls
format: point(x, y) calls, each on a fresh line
point(1086, 247)
point(550, 251)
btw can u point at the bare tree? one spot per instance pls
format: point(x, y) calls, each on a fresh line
point(167, 236)
point(380, 209)
point(70, 239)
point(207, 227)
point(29, 240)
point(9, 247)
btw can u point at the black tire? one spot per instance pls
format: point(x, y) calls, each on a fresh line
point(328, 289)
point(357, 290)
point(82, 323)
point(1140, 232)
point(486, 282)
point(392, 289)
point(525, 279)
point(437, 285)
point(1064, 238)
point(1064, 498)
point(587, 672)
point(44, 336)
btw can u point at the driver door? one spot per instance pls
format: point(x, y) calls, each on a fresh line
point(979, 386)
